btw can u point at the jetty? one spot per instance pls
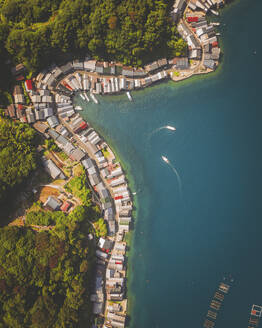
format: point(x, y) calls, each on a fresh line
point(255, 315)
point(217, 302)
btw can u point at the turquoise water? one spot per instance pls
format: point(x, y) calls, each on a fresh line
point(186, 240)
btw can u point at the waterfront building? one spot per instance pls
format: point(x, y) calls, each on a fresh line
point(66, 69)
point(90, 65)
point(52, 121)
point(52, 169)
point(151, 67)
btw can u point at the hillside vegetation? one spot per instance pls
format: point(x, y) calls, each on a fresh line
point(45, 277)
point(130, 31)
point(17, 155)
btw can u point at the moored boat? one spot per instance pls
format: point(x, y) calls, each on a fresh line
point(78, 108)
point(86, 97)
point(93, 98)
point(129, 96)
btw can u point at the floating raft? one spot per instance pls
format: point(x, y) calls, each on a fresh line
point(217, 302)
point(255, 316)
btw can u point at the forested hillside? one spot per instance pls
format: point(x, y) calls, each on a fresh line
point(17, 155)
point(45, 277)
point(131, 31)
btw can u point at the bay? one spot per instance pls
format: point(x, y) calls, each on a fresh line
point(186, 240)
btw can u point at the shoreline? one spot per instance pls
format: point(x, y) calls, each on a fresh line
point(63, 83)
point(135, 214)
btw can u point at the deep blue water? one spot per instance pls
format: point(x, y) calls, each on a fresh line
point(184, 242)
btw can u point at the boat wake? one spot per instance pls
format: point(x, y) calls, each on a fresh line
point(166, 160)
point(165, 127)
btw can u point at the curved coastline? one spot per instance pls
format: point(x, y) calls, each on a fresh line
point(115, 260)
point(135, 214)
point(62, 83)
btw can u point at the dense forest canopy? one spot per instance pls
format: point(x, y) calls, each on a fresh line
point(17, 154)
point(130, 31)
point(45, 277)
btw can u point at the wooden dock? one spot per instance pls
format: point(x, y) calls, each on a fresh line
point(216, 303)
point(255, 316)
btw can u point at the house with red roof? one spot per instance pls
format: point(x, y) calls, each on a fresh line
point(29, 85)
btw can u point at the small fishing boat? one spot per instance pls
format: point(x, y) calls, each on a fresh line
point(82, 96)
point(87, 99)
point(93, 98)
point(214, 12)
point(172, 128)
point(165, 159)
point(129, 96)
point(78, 108)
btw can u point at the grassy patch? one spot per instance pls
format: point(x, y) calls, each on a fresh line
point(78, 170)
point(48, 191)
point(101, 229)
point(79, 188)
point(62, 155)
point(106, 153)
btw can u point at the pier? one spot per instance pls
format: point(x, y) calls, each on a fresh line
point(217, 302)
point(255, 316)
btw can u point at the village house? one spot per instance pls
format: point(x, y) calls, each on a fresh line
point(78, 65)
point(52, 203)
point(178, 9)
point(57, 72)
point(162, 63)
point(68, 148)
point(61, 142)
point(209, 63)
point(62, 130)
point(139, 72)
point(52, 169)
point(99, 67)
point(29, 86)
point(111, 225)
point(65, 206)
point(18, 95)
point(52, 121)
point(30, 115)
point(66, 69)
point(105, 244)
point(40, 127)
point(112, 69)
point(90, 65)
point(36, 98)
point(128, 71)
point(109, 214)
point(11, 111)
point(19, 69)
point(53, 134)
point(182, 63)
point(215, 53)
point(77, 155)
point(151, 67)
point(87, 163)
point(94, 179)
